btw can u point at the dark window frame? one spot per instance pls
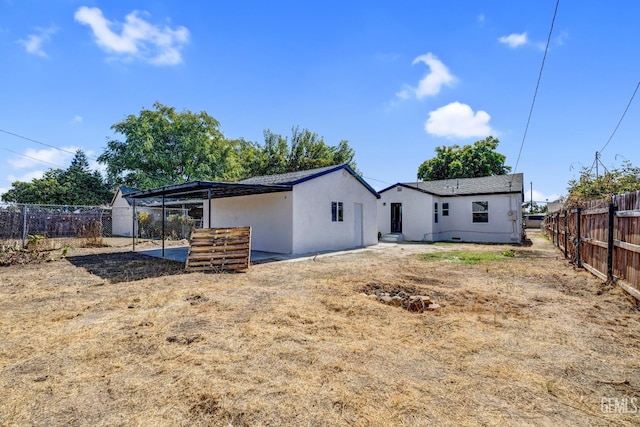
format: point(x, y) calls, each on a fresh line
point(480, 216)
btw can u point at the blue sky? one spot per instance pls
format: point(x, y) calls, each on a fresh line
point(396, 79)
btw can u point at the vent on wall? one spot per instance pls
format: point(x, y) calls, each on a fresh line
point(398, 188)
point(456, 238)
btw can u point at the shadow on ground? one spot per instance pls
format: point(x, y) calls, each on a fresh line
point(126, 266)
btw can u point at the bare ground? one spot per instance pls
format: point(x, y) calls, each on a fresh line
point(105, 337)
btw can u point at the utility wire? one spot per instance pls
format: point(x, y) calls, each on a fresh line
point(45, 144)
point(622, 117)
point(535, 93)
point(32, 158)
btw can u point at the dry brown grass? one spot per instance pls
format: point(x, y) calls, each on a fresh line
point(112, 338)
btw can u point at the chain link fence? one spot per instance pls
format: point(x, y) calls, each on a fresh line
point(54, 226)
point(58, 226)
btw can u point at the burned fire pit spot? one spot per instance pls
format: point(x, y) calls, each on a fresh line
point(408, 298)
point(196, 299)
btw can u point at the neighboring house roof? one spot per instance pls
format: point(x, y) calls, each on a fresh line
point(293, 178)
point(496, 184)
point(255, 185)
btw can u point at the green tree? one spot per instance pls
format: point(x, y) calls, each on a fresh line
point(163, 146)
point(305, 150)
point(77, 185)
point(468, 161)
point(617, 181)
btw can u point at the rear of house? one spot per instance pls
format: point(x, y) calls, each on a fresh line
point(486, 209)
point(322, 209)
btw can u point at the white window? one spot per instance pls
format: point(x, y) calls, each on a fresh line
point(337, 212)
point(480, 211)
point(445, 209)
point(435, 212)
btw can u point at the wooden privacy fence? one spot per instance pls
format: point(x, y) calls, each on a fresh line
point(219, 249)
point(602, 236)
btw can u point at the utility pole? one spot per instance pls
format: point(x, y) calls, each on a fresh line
point(597, 161)
point(531, 205)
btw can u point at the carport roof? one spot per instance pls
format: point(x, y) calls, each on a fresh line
point(208, 189)
point(255, 185)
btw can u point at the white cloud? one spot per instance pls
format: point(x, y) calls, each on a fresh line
point(33, 43)
point(48, 156)
point(457, 120)
point(77, 119)
point(431, 83)
point(514, 40)
point(480, 18)
point(137, 38)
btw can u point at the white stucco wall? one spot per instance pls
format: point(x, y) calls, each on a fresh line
point(417, 213)
point(313, 229)
point(501, 228)
point(269, 215)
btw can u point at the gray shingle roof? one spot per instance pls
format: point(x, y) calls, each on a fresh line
point(496, 184)
point(290, 178)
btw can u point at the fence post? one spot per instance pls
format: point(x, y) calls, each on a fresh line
point(566, 235)
point(579, 238)
point(612, 215)
point(24, 225)
point(558, 229)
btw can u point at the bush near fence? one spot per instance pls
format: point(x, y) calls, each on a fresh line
point(602, 236)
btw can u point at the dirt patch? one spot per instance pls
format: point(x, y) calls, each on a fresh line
point(125, 266)
point(106, 339)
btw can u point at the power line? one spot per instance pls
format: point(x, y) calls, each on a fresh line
point(535, 93)
point(45, 144)
point(622, 117)
point(37, 142)
point(32, 158)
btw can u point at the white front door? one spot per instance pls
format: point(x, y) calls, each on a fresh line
point(357, 224)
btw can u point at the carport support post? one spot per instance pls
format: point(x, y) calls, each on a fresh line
point(209, 208)
point(162, 225)
point(133, 226)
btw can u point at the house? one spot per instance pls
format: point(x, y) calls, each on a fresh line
point(329, 208)
point(486, 209)
point(122, 223)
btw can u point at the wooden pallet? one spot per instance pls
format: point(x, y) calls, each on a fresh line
point(219, 249)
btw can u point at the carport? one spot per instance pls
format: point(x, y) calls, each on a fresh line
point(199, 190)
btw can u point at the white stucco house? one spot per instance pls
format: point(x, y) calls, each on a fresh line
point(486, 209)
point(323, 209)
point(122, 222)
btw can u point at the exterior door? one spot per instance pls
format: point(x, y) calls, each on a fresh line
point(357, 224)
point(396, 217)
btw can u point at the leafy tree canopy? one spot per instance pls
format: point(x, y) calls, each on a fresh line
point(305, 150)
point(162, 146)
point(468, 161)
point(617, 181)
point(77, 185)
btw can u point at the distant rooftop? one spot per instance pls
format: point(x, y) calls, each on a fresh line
point(496, 184)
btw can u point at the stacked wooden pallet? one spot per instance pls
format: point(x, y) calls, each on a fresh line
point(219, 249)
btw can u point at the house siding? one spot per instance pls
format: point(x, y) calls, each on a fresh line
point(269, 215)
point(501, 228)
point(417, 213)
point(418, 221)
point(313, 229)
